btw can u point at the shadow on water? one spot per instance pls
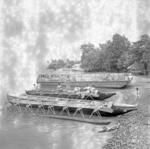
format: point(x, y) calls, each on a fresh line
point(20, 130)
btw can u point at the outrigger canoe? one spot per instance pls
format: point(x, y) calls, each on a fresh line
point(71, 105)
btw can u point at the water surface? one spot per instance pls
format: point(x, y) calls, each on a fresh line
point(26, 131)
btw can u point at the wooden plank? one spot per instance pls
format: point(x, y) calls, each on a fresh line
point(85, 120)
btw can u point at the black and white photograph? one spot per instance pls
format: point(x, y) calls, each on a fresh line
point(74, 74)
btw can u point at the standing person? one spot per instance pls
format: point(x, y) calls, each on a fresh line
point(35, 86)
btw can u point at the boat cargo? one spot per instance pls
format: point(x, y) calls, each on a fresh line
point(77, 93)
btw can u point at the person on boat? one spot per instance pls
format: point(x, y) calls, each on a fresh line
point(59, 87)
point(36, 86)
point(127, 77)
point(77, 90)
point(94, 92)
point(130, 76)
point(108, 77)
point(87, 90)
point(91, 91)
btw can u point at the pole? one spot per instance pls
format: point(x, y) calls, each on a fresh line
point(137, 93)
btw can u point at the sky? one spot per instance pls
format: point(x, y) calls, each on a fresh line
point(33, 32)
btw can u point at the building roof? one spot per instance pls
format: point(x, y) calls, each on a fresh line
point(136, 66)
point(77, 67)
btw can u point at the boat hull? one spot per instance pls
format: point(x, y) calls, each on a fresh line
point(80, 119)
point(121, 109)
point(58, 104)
point(96, 84)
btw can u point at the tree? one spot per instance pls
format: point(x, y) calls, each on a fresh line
point(105, 56)
point(90, 57)
point(124, 61)
point(114, 51)
point(111, 56)
point(141, 51)
point(56, 64)
point(70, 63)
point(118, 47)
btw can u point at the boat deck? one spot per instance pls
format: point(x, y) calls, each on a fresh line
point(65, 105)
point(60, 102)
point(68, 109)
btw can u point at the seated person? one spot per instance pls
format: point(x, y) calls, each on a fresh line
point(59, 87)
point(77, 89)
point(91, 91)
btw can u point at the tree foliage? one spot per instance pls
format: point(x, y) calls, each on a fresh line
point(90, 57)
point(113, 56)
point(116, 55)
point(107, 57)
point(141, 51)
point(57, 64)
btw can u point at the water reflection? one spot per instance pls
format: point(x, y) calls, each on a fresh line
point(24, 131)
point(17, 134)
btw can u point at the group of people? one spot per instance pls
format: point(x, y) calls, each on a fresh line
point(86, 91)
point(89, 91)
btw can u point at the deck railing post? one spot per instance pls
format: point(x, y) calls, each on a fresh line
point(97, 111)
point(26, 108)
point(16, 106)
point(19, 107)
point(91, 114)
point(9, 108)
point(76, 111)
point(61, 112)
point(65, 109)
point(30, 108)
point(80, 111)
point(51, 108)
point(82, 114)
point(40, 107)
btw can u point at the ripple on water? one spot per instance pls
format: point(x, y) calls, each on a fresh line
point(21, 131)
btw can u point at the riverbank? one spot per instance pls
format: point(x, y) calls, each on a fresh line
point(133, 132)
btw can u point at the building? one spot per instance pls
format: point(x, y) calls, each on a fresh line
point(137, 68)
point(77, 67)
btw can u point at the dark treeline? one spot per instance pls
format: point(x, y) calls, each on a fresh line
point(116, 55)
point(57, 64)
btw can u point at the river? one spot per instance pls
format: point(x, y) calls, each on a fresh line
point(19, 130)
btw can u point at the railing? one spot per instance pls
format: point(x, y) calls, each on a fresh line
point(84, 77)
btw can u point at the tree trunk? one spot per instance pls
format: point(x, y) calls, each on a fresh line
point(146, 68)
